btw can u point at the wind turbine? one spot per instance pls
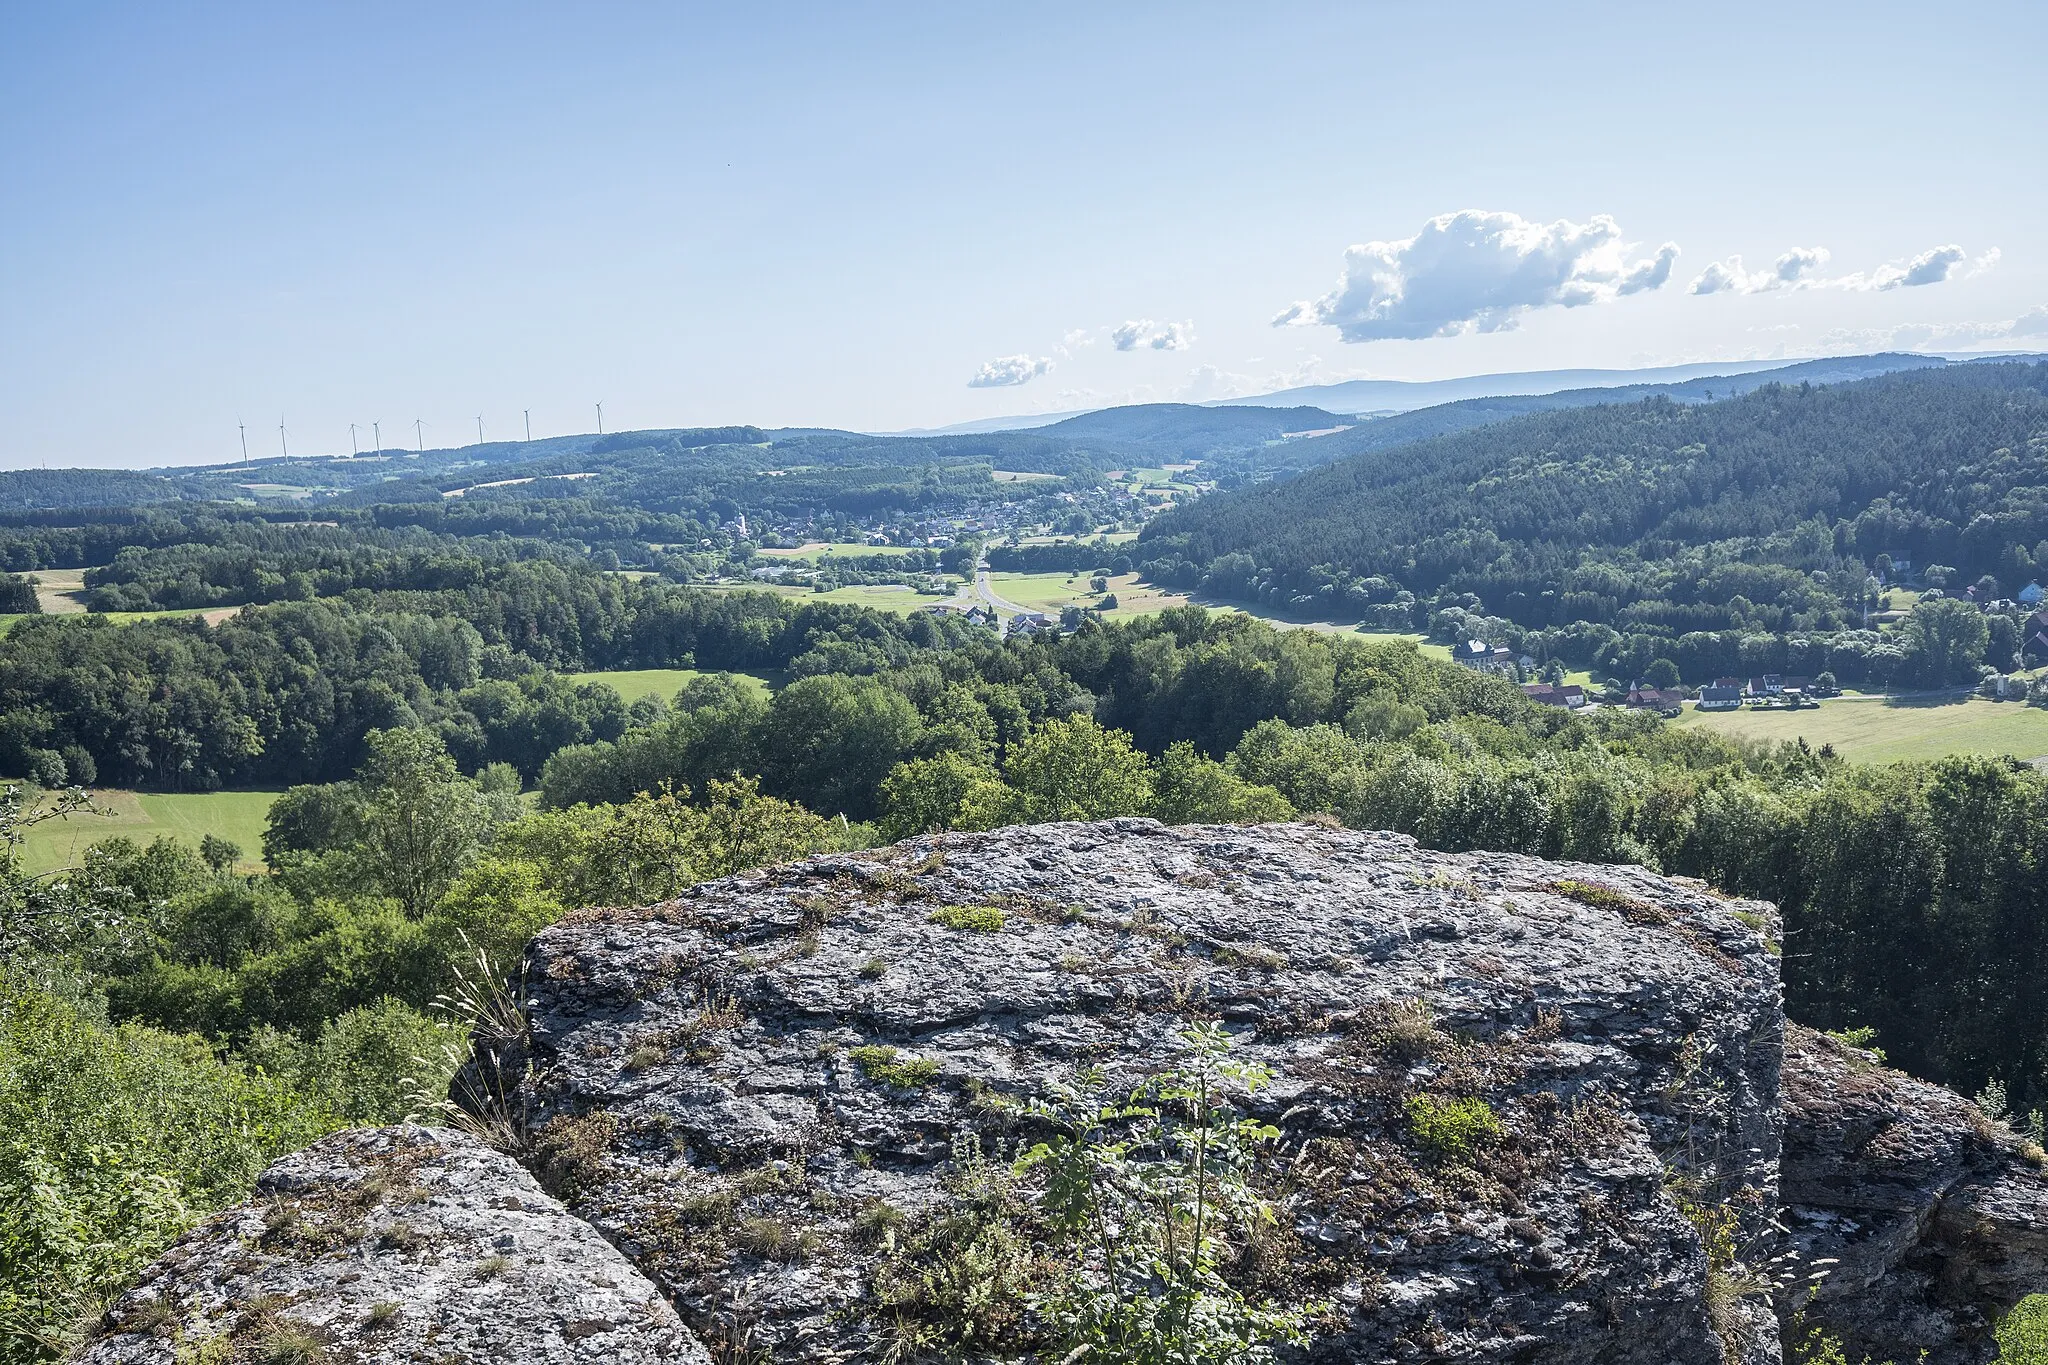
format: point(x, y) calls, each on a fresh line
point(419, 434)
point(600, 419)
point(529, 422)
point(282, 447)
point(352, 440)
point(479, 428)
point(377, 436)
point(243, 427)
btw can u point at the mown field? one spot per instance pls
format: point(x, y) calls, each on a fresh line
point(1872, 730)
point(237, 816)
point(892, 597)
point(61, 592)
point(816, 550)
point(635, 683)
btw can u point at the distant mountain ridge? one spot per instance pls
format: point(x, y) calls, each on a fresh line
point(1381, 433)
point(1384, 396)
point(1239, 441)
point(1405, 395)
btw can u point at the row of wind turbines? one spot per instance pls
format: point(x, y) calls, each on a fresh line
point(419, 430)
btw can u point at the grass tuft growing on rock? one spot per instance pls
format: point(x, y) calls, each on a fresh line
point(880, 1062)
point(289, 1345)
point(570, 1156)
point(1607, 898)
point(979, 919)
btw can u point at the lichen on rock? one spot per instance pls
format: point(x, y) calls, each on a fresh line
point(1594, 1047)
point(1507, 1110)
point(390, 1245)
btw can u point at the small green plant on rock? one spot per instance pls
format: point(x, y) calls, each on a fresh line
point(956, 1283)
point(979, 919)
point(1629, 907)
point(880, 1062)
point(1454, 1129)
point(1156, 1196)
point(1864, 1037)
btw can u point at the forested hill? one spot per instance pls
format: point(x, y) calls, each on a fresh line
point(1466, 413)
point(1946, 465)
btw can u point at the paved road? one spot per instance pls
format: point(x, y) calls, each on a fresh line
point(987, 593)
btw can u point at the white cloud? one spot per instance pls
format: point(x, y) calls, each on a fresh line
point(1929, 267)
point(1917, 335)
point(1932, 266)
point(1796, 270)
point(1157, 336)
point(1010, 369)
point(1478, 271)
point(1206, 383)
point(1793, 270)
point(1078, 337)
point(1174, 336)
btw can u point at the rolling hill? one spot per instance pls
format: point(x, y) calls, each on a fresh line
point(1759, 512)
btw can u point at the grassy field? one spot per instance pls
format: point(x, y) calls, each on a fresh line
point(1874, 731)
point(880, 596)
point(635, 683)
point(1421, 642)
point(60, 590)
point(1048, 592)
point(62, 593)
point(816, 550)
point(884, 597)
point(143, 816)
point(213, 616)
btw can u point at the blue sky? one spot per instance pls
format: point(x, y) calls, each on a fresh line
point(847, 215)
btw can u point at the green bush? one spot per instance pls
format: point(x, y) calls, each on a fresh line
point(2023, 1334)
point(369, 1065)
point(113, 1140)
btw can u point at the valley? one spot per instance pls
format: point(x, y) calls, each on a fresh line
point(330, 754)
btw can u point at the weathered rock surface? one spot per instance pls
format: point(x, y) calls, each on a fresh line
point(389, 1245)
point(788, 1103)
point(1933, 1219)
point(706, 1093)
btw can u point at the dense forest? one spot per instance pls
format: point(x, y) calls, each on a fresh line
point(287, 692)
point(1615, 534)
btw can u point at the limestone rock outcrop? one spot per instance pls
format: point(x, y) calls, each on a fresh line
point(1927, 1221)
point(1528, 1112)
point(390, 1245)
point(773, 1093)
